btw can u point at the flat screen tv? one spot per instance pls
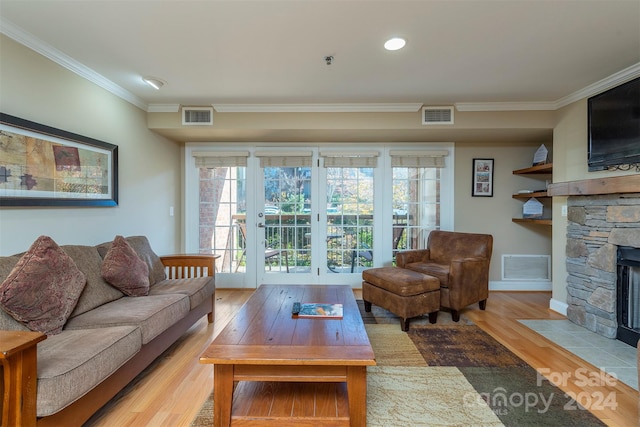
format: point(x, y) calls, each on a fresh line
point(614, 127)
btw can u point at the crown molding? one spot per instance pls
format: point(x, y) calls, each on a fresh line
point(14, 32)
point(607, 83)
point(504, 106)
point(163, 108)
point(318, 108)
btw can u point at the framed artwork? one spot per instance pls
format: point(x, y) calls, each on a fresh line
point(482, 185)
point(45, 166)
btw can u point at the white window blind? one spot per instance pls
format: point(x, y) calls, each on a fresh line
point(358, 159)
point(220, 159)
point(284, 158)
point(418, 159)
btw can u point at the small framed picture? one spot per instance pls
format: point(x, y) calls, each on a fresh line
point(482, 178)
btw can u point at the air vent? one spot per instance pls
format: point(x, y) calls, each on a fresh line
point(526, 267)
point(437, 115)
point(197, 116)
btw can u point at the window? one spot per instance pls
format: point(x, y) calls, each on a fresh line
point(350, 210)
point(416, 197)
point(222, 199)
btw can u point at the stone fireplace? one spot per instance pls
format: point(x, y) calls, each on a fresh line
point(597, 226)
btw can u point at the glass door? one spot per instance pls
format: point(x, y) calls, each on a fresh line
point(221, 178)
point(349, 214)
point(283, 221)
point(309, 215)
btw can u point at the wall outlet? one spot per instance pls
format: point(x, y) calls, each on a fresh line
point(564, 210)
point(170, 210)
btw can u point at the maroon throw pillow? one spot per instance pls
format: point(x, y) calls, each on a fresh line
point(43, 288)
point(124, 269)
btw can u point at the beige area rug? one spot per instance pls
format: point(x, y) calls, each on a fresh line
point(392, 347)
point(424, 396)
point(400, 396)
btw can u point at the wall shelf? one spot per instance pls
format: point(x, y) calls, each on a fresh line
point(537, 195)
point(541, 221)
point(545, 169)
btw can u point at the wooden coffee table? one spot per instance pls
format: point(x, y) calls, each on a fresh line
point(291, 371)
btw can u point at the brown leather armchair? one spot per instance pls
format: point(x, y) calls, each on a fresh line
point(460, 261)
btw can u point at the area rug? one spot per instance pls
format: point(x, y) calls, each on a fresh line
point(514, 391)
point(450, 374)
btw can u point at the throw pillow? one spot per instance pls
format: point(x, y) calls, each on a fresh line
point(43, 288)
point(124, 269)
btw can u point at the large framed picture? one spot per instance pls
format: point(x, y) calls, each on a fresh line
point(482, 178)
point(45, 166)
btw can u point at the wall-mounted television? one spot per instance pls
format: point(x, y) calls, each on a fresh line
point(614, 127)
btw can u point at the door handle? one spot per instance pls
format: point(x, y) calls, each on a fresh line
point(260, 225)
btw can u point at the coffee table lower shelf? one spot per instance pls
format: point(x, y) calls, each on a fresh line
point(297, 404)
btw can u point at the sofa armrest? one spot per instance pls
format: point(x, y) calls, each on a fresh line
point(18, 359)
point(468, 281)
point(187, 266)
point(407, 257)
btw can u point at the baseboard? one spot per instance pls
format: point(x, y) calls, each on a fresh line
point(520, 285)
point(558, 306)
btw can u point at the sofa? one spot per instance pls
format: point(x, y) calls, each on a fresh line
point(460, 261)
point(102, 335)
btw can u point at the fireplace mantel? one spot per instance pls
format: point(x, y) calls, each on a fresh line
point(587, 187)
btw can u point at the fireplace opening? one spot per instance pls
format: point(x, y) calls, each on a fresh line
point(628, 295)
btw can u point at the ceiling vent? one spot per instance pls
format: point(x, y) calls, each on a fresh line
point(197, 116)
point(437, 115)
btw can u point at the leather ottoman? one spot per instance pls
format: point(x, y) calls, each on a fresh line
point(403, 292)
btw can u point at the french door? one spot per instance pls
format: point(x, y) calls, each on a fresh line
point(307, 215)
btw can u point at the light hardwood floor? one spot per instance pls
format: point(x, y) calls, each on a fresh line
point(172, 390)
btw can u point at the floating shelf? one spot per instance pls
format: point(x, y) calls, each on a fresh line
point(545, 169)
point(532, 221)
point(538, 194)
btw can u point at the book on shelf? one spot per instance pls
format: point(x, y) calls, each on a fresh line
point(320, 310)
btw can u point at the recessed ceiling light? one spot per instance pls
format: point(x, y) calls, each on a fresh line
point(395, 43)
point(154, 82)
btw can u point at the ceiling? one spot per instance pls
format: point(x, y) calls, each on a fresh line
point(273, 51)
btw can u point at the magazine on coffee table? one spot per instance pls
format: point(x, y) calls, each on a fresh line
point(320, 310)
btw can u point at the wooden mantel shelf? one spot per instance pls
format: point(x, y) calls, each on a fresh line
point(587, 187)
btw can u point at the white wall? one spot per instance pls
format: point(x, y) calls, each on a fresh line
point(39, 90)
point(493, 215)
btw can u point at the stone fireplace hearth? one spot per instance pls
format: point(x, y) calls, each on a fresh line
point(597, 225)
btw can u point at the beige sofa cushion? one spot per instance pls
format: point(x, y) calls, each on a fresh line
point(97, 291)
point(72, 363)
point(153, 314)
point(197, 289)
